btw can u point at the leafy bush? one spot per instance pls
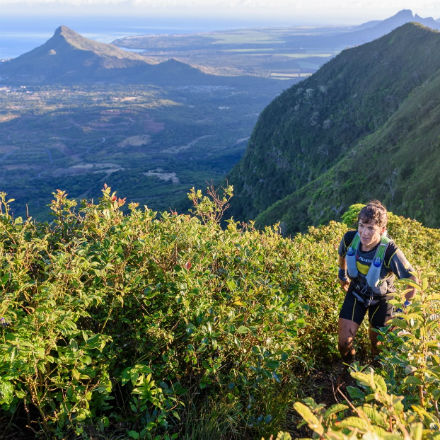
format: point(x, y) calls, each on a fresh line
point(133, 323)
point(131, 320)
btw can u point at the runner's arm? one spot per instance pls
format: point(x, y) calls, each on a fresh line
point(343, 268)
point(403, 269)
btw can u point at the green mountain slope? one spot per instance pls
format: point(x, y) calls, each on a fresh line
point(398, 164)
point(316, 123)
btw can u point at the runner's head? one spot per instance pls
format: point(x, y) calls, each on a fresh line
point(374, 213)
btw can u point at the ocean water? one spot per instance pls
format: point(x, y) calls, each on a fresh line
point(19, 35)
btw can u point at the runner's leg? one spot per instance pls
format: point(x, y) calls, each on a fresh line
point(379, 315)
point(350, 318)
point(346, 332)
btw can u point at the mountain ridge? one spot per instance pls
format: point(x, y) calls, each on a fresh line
point(66, 35)
point(401, 17)
point(365, 32)
point(68, 57)
point(317, 123)
point(396, 181)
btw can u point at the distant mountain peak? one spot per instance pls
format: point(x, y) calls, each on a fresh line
point(70, 36)
point(376, 28)
point(69, 57)
point(64, 30)
point(404, 13)
point(64, 34)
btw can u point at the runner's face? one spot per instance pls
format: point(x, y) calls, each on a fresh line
point(370, 234)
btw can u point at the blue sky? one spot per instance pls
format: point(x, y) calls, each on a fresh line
point(318, 11)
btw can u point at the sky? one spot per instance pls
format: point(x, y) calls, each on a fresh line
point(307, 11)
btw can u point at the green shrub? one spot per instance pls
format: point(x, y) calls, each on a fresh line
point(145, 325)
point(122, 320)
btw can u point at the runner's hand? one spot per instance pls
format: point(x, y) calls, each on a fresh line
point(344, 285)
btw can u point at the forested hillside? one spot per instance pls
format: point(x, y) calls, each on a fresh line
point(398, 163)
point(148, 325)
point(365, 125)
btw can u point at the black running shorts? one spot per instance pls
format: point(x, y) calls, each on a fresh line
point(354, 310)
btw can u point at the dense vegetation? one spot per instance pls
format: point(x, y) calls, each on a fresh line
point(148, 325)
point(350, 132)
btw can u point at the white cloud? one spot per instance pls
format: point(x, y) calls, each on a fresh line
point(363, 9)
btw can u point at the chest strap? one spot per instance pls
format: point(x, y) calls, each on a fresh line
point(373, 274)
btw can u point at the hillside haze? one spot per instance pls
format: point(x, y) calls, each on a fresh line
point(315, 147)
point(275, 51)
point(372, 30)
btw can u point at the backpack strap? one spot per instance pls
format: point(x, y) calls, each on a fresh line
point(373, 274)
point(348, 238)
point(350, 257)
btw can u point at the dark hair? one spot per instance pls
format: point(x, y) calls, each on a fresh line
point(374, 212)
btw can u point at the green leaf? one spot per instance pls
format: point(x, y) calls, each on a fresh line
point(231, 285)
point(6, 393)
point(81, 415)
point(334, 409)
point(412, 380)
point(381, 434)
point(380, 383)
point(301, 323)
point(312, 421)
point(20, 394)
point(176, 415)
point(355, 393)
point(364, 379)
point(242, 330)
point(355, 422)
point(416, 431)
point(375, 416)
point(133, 434)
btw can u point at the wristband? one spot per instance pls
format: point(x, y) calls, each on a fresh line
point(342, 275)
point(406, 303)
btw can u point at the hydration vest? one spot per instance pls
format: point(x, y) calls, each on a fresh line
point(373, 275)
